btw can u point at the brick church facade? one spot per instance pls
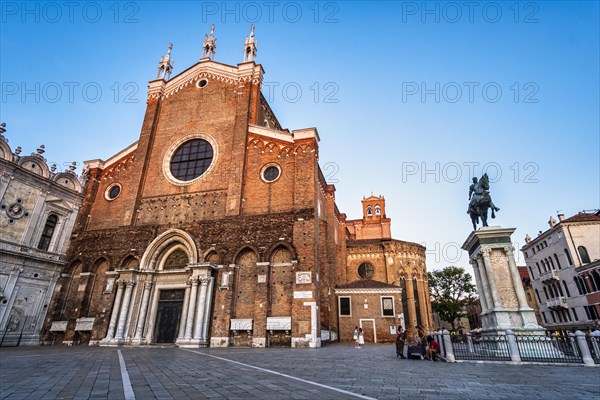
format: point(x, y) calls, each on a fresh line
point(217, 228)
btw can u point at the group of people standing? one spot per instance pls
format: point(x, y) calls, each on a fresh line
point(358, 337)
point(424, 347)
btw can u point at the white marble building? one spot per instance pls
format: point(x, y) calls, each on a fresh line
point(554, 261)
point(38, 206)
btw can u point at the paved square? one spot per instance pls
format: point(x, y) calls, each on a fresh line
point(336, 371)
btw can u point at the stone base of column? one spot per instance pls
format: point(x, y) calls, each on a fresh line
point(191, 343)
point(219, 341)
point(305, 342)
point(501, 319)
point(139, 342)
point(111, 342)
point(259, 342)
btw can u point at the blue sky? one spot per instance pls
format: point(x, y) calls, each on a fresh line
point(407, 96)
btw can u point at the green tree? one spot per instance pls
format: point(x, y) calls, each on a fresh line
point(451, 289)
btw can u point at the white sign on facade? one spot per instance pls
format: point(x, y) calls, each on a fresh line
point(84, 324)
point(303, 295)
point(58, 326)
point(241, 324)
point(279, 323)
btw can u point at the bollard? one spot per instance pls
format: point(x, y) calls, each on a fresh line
point(449, 349)
point(512, 346)
point(585, 350)
point(438, 338)
point(470, 343)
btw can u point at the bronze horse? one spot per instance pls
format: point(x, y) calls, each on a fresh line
point(480, 201)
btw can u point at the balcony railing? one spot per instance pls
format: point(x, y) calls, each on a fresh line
point(549, 276)
point(559, 302)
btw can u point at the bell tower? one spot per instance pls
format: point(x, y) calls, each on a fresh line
point(373, 209)
point(250, 46)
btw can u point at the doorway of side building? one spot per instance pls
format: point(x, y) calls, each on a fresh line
point(170, 304)
point(369, 332)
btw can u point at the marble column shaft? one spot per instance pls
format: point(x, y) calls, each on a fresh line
point(514, 273)
point(189, 323)
point(478, 279)
point(124, 309)
point(491, 279)
point(112, 325)
point(199, 321)
point(207, 308)
point(184, 311)
point(139, 330)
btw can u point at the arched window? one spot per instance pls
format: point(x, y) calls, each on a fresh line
point(579, 288)
point(557, 262)
point(369, 211)
point(531, 273)
point(596, 276)
point(568, 257)
point(566, 289)
point(538, 267)
point(377, 210)
point(560, 291)
point(583, 253)
point(551, 262)
point(590, 278)
point(538, 296)
point(47, 233)
point(546, 293)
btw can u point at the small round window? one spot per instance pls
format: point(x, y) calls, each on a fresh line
point(191, 159)
point(271, 173)
point(365, 270)
point(202, 83)
point(113, 191)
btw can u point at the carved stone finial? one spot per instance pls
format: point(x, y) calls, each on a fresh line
point(2, 127)
point(73, 166)
point(527, 238)
point(209, 47)
point(41, 150)
point(250, 46)
point(18, 150)
point(165, 65)
point(53, 168)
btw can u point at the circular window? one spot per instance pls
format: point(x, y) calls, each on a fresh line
point(191, 159)
point(365, 270)
point(113, 191)
point(202, 83)
point(270, 173)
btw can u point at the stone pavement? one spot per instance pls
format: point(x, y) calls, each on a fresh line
point(336, 371)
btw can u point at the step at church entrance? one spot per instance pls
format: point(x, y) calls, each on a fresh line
point(170, 304)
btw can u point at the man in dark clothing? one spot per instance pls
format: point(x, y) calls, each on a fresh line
point(400, 339)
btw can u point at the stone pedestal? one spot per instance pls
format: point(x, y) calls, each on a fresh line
point(503, 302)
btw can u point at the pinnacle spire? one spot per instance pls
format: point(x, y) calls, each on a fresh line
point(165, 65)
point(209, 47)
point(250, 46)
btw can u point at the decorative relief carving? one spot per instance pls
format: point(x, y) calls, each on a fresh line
point(303, 277)
point(123, 165)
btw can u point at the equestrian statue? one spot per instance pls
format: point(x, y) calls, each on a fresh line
point(480, 201)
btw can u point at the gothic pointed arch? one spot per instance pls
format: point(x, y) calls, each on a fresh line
point(212, 256)
point(167, 242)
point(242, 251)
point(246, 259)
point(281, 252)
point(130, 261)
